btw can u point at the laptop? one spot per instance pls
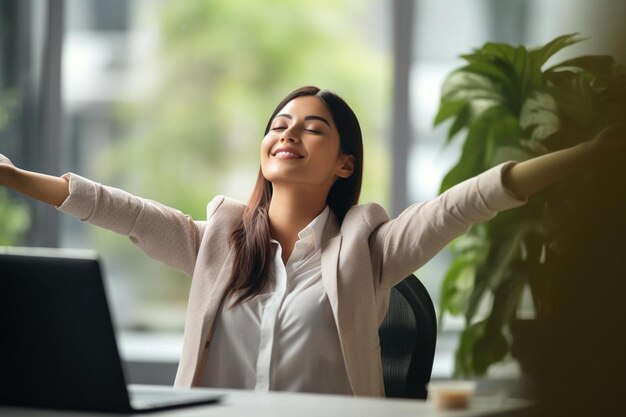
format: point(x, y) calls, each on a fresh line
point(57, 342)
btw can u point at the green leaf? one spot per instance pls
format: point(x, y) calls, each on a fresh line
point(475, 89)
point(599, 65)
point(503, 130)
point(473, 160)
point(456, 287)
point(516, 57)
point(483, 343)
point(507, 296)
point(471, 242)
point(493, 51)
point(463, 356)
point(494, 70)
point(488, 349)
point(471, 361)
point(548, 50)
point(491, 346)
point(510, 153)
point(515, 70)
point(449, 109)
point(540, 114)
point(496, 67)
point(574, 96)
point(493, 271)
point(603, 71)
point(530, 76)
point(461, 121)
point(470, 162)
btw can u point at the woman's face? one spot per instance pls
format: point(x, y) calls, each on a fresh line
point(302, 146)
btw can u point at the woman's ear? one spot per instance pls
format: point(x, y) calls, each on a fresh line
point(346, 168)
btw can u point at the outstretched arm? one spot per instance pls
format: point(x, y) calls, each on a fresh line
point(528, 177)
point(422, 230)
point(161, 232)
point(46, 188)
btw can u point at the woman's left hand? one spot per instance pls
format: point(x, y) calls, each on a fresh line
point(606, 149)
point(609, 145)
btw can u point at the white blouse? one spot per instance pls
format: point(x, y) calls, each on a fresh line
point(284, 338)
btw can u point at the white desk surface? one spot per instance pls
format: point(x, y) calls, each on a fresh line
point(240, 403)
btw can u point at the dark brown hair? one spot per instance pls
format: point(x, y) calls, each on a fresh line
point(251, 239)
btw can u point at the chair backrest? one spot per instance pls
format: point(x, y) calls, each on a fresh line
point(407, 340)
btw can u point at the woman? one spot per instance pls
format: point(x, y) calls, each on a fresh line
point(289, 290)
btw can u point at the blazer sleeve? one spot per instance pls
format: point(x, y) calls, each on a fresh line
point(161, 232)
point(422, 230)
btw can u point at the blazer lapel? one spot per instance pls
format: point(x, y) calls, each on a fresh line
point(330, 256)
point(331, 244)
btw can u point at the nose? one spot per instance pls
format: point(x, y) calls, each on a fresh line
point(288, 136)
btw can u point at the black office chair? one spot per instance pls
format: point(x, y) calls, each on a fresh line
point(407, 340)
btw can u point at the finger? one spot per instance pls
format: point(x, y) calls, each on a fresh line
point(612, 131)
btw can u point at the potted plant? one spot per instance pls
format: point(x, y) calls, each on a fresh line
point(511, 106)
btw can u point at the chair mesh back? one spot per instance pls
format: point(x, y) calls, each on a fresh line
point(407, 340)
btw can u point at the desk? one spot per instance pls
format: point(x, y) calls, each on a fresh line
point(240, 403)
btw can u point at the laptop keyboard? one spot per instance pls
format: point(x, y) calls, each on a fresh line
point(145, 397)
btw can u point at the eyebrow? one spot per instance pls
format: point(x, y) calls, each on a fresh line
point(310, 117)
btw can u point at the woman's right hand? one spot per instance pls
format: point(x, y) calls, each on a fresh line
point(5, 161)
point(46, 188)
point(6, 167)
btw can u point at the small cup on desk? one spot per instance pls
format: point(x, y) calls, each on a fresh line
point(451, 395)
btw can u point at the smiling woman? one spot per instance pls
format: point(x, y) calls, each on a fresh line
point(311, 156)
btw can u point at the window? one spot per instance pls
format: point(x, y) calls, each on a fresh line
point(168, 100)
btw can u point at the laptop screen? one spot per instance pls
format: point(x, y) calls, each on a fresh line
point(57, 340)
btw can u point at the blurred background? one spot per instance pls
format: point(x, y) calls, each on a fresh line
point(168, 100)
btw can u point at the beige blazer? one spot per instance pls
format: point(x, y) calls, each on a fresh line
point(361, 259)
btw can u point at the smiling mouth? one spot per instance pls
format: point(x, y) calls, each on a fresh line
point(282, 154)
